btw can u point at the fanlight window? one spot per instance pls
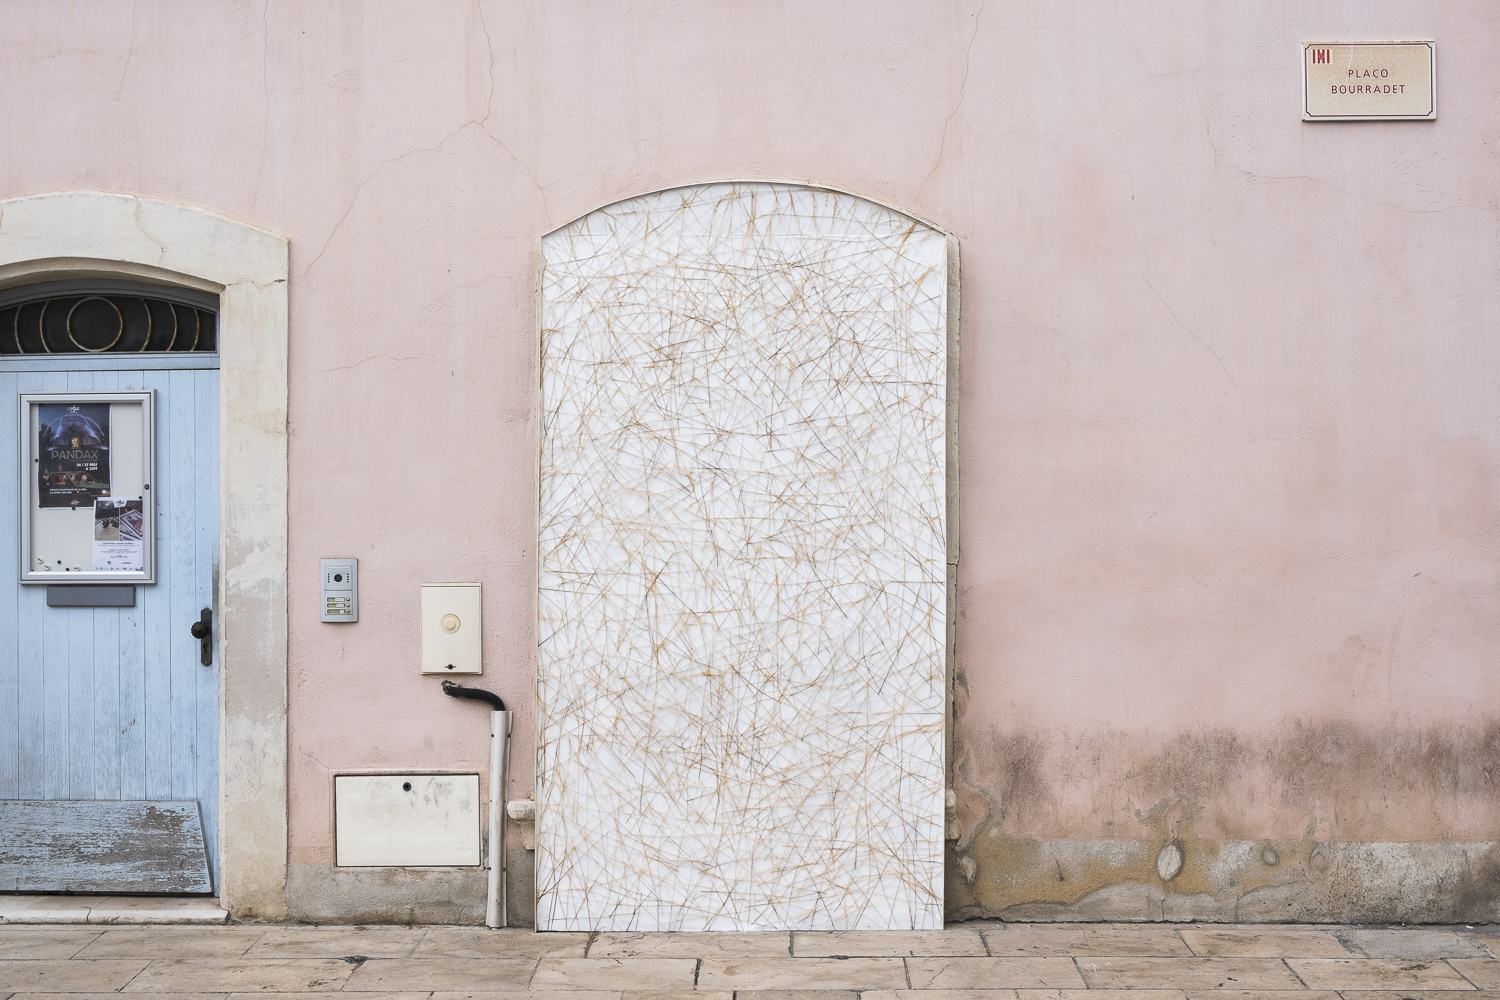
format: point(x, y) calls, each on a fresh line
point(107, 317)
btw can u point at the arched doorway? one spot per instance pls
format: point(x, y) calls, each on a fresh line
point(741, 636)
point(93, 236)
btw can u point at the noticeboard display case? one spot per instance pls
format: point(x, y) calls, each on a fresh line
point(85, 480)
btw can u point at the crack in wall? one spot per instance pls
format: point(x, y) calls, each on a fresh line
point(962, 86)
point(140, 225)
point(265, 89)
point(129, 53)
point(481, 123)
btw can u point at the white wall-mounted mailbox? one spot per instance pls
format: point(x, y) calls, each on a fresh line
point(450, 628)
point(401, 820)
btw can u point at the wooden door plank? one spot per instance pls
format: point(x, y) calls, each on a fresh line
point(132, 670)
point(10, 673)
point(96, 698)
point(115, 687)
point(179, 549)
point(154, 609)
point(78, 634)
point(206, 531)
point(55, 709)
point(74, 846)
point(107, 726)
point(55, 677)
point(30, 665)
point(132, 702)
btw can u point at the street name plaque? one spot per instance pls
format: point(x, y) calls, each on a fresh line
point(1369, 81)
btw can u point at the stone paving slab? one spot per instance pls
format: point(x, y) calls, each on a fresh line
point(172, 942)
point(45, 942)
point(875, 944)
point(802, 974)
point(1414, 942)
point(688, 945)
point(1100, 995)
point(511, 995)
point(616, 973)
point(1084, 939)
point(220, 975)
point(1024, 962)
point(1254, 942)
point(67, 976)
point(396, 974)
point(174, 996)
point(510, 942)
point(336, 942)
point(1027, 972)
point(1376, 974)
point(1128, 972)
point(312, 996)
point(1268, 995)
point(1483, 973)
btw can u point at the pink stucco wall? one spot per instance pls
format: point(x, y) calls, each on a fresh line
point(1229, 388)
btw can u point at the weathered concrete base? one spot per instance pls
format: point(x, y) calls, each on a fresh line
point(520, 887)
point(327, 894)
point(1012, 878)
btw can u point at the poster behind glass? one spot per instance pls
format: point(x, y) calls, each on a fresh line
point(119, 534)
point(87, 495)
point(72, 453)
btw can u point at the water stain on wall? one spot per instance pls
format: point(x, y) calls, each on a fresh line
point(1320, 820)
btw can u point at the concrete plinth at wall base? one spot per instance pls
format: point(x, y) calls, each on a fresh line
point(328, 894)
point(47, 909)
point(1019, 879)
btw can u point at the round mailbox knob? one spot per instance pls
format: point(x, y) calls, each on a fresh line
point(450, 623)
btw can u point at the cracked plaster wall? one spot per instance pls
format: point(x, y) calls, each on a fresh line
point(1229, 394)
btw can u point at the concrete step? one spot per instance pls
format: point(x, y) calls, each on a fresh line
point(61, 909)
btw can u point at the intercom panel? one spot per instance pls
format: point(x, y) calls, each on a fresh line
point(340, 592)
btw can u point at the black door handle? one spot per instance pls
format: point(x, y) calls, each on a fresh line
point(203, 630)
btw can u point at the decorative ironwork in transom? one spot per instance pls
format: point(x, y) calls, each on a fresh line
point(107, 317)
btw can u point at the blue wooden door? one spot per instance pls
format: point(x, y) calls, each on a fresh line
point(114, 703)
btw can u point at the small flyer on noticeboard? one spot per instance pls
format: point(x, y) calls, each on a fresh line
point(73, 453)
point(119, 534)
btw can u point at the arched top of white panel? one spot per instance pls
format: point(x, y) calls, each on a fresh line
point(773, 208)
